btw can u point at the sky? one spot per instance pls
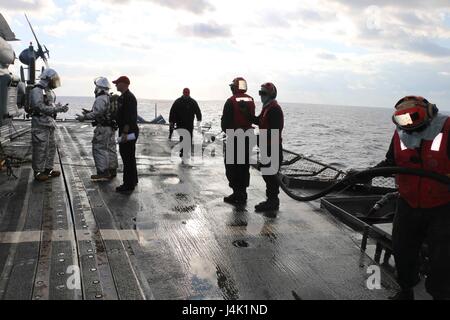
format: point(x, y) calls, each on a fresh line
point(342, 52)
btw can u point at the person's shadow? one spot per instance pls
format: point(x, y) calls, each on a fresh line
point(239, 217)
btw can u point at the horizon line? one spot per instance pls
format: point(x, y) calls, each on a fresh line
point(219, 100)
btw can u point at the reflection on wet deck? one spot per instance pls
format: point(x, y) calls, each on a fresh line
point(173, 238)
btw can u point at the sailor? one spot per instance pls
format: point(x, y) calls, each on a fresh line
point(127, 122)
point(422, 141)
point(104, 120)
point(182, 115)
point(234, 118)
point(270, 119)
point(43, 111)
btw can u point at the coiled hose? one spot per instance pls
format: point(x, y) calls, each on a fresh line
point(364, 175)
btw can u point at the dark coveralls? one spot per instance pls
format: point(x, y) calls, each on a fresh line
point(414, 226)
point(127, 122)
point(275, 121)
point(238, 175)
point(182, 115)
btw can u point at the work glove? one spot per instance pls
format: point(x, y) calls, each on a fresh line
point(61, 108)
point(85, 111)
point(79, 118)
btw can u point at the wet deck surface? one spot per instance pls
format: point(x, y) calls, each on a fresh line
point(173, 238)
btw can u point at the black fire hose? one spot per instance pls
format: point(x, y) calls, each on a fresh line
point(362, 176)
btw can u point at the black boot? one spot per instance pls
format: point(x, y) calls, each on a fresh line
point(403, 295)
point(41, 176)
point(52, 173)
point(241, 197)
point(124, 189)
point(101, 176)
point(269, 205)
point(112, 173)
point(439, 297)
point(230, 199)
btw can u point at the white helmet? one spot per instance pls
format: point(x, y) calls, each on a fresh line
point(51, 78)
point(102, 83)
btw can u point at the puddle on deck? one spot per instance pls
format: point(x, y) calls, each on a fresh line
point(210, 281)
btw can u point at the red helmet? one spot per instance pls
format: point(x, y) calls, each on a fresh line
point(268, 89)
point(239, 85)
point(413, 112)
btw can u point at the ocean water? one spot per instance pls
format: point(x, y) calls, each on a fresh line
point(344, 136)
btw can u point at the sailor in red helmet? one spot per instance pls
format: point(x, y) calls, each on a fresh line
point(421, 141)
point(234, 118)
point(270, 119)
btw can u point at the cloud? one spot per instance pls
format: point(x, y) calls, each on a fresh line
point(326, 56)
point(205, 30)
point(194, 6)
point(400, 26)
point(27, 5)
point(320, 50)
point(428, 48)
point(389, 3)
point(275, 19)
point(309, 15)
point(300, 16)
point(63, 27)
point(407, 32)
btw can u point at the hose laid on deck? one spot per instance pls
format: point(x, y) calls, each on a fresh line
point(364, 175)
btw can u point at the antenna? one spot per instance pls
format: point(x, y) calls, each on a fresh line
point(40, 52)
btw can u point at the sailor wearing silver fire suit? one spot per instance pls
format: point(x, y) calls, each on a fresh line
point(44, 109)
point(104, 148)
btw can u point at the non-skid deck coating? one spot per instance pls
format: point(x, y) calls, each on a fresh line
point(173, 238)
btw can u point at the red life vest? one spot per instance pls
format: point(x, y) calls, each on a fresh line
point(264, 117)
point(240, 120)
point(422, 192)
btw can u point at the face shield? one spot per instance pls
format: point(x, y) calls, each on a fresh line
point(411, 118)
point(55, 82)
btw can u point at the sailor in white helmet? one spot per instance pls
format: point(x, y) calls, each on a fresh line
point(104, 147)
point(43, 111)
